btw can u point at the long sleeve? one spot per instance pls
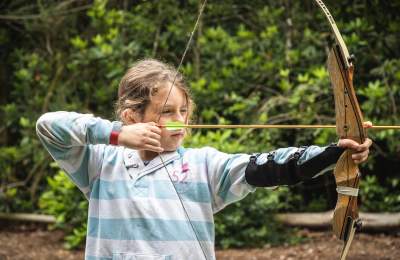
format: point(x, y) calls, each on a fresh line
point(226, 173)
point(233, 176)
point(76, 142)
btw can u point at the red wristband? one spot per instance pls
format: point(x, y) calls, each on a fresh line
point(114, 138)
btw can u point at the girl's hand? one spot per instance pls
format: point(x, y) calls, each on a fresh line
point(361, 151)
point(141, 136)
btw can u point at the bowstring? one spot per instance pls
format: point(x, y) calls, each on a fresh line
point(183, 56)
point(159, 117)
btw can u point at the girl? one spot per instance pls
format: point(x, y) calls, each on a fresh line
point(150, 198)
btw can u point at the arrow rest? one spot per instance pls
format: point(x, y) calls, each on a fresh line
point(358, 225)
point(352, 58)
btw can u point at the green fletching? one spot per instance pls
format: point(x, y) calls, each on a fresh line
point(174, 125)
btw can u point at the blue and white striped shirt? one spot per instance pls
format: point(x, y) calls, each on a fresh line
point(134, 210)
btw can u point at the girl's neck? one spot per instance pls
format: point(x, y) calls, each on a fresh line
point(147, 155)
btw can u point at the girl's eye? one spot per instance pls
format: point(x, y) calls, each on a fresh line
point(184, 110)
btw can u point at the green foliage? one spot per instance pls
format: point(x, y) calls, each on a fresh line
point(64, 201)
point(377, 197)
point(262, 63)
point(250, 222)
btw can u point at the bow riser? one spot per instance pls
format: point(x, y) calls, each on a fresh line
point(348, 125)
point(348, 113)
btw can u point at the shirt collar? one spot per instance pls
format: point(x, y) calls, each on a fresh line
point(133, 160)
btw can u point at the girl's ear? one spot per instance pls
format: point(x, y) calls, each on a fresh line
point(128, 117)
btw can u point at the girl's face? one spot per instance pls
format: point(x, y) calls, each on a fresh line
point(176, 109)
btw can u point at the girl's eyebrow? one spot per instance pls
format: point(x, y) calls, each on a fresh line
point(171, 106)
point(167, 106)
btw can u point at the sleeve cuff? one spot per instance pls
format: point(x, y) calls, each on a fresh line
point(116, 129)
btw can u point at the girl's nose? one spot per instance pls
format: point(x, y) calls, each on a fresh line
point(179, 117)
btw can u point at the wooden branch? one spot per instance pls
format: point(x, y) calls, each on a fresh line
point(16, 17)
point(372, 222)
point(53, 85)
point(46, 219)
point(323, 220)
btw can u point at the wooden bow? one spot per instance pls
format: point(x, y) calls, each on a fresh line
point(349, 125)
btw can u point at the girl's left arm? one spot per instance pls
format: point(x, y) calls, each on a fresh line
point(233, 176)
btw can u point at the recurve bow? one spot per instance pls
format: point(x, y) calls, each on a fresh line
point(349, 125)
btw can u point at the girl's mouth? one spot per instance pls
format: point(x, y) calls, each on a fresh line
point(178, 134)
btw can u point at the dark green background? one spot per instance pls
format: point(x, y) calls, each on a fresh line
point(259, 62)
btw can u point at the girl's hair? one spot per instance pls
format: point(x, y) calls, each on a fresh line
point(143, 80)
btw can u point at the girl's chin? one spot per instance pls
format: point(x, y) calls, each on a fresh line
point(172, 148)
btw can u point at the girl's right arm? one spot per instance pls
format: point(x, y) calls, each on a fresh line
point(73, 140)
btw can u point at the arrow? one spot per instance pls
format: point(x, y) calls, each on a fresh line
point(178, 125)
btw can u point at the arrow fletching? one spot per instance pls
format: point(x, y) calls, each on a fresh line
point(172, 126)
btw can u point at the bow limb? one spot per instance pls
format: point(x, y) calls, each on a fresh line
point(349, 124)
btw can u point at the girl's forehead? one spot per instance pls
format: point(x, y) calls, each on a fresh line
point(170, 92)
point(169, 96)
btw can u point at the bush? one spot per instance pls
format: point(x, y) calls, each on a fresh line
point(64, 201)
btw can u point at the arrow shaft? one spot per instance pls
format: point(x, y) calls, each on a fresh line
point(209, 126)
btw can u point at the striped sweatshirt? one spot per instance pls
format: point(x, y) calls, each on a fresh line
point(145, 212)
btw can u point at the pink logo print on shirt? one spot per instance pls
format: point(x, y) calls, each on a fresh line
point(182, 175)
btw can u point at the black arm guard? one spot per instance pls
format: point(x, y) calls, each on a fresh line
point(271, 173)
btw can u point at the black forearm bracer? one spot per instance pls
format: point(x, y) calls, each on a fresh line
point(294, 168)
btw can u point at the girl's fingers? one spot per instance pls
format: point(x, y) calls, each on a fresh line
point(156, 149)
point(155, 129)
point(364, 146)
point(154, 136)
point(348, 143)
point(351, 144)
point(152, 142)
point(362, 156)
point(367, 124)
point(361, 150)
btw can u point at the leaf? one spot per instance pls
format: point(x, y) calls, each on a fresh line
point(24, 122)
